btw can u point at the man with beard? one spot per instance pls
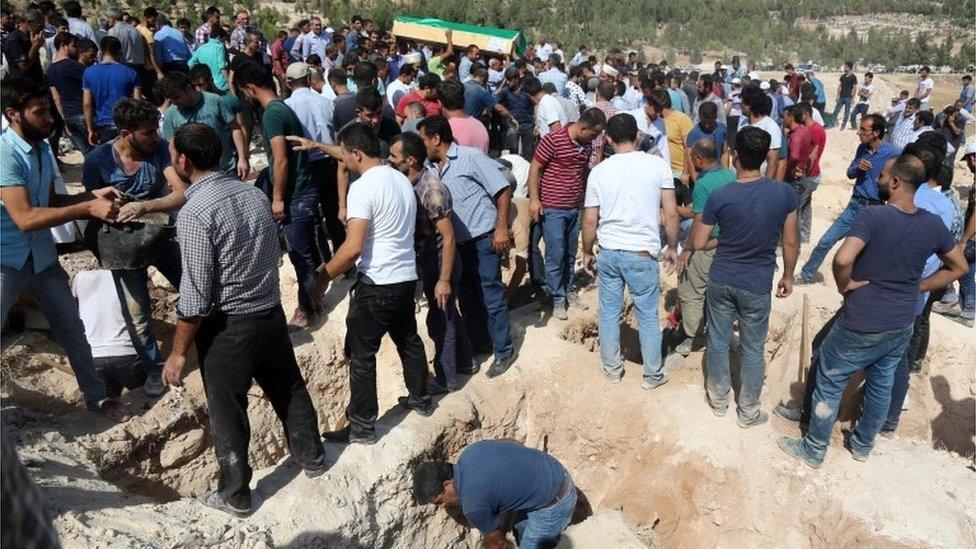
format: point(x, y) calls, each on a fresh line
point(137, 164)
point(878, 270)
point(28, 208)
point(230, 306)
point(865, 169)
point(64, 80)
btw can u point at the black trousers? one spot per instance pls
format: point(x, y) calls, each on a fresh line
point(324, 177)
point(375, 310)
point(235, 350)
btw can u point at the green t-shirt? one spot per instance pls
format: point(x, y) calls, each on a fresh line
point(231, 100)
point(436, 66)
point(212, 111)
point(279, 120)
point(707, 182)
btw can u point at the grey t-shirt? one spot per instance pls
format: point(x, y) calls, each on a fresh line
point(133, 46)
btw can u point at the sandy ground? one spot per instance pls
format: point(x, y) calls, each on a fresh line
point(655, 469)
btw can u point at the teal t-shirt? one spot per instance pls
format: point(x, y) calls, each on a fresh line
point(212, 111)
point(707, 182)
point(279, 120)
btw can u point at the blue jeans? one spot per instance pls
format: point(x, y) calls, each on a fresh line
point(301, 229)
point(843, 353)
point(724, 303)
point(445, 328)
point(481, 295)
point(537, 264)
point(78, 133)
point(542, 528)
point(560, 229)
point(50, 289)
point(860, 108)
point(844, 102)
point(132, 286)
point(836, 232)
point(639, 271)
point(967, 284)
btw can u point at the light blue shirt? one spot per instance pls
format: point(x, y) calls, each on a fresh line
point(474, 180)
point(935, 202)
point(314, 111)
point(169, 44)
point(313, 43)
point(557, 77)
point(464, 68)
point(32, 168)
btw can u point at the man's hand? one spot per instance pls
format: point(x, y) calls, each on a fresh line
point(99, 208)
point(37, 39)
point(864, 165)
point(785, 287)
point(682, 262)
point(442, 293)
point(589, 263)
point(670, 257)
point(342, 215)
point(854, 285)
point(448, 33)
point(173, 370)
point(93, 138)
point(243, 169)
point(130, 211)
point(278, 209)
point(501, 240)
point(300, 143)
point(108, 193)
point(535, 210)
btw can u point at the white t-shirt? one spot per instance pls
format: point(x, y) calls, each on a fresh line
point(864, 93)
point(384, 197)
point(816, 117)
point(520, 170)
point(548, 111)
point(101, 313)
point(644, 125)
point(397, 87)
point(923, 85)
point(627, 189)
point(776, 135)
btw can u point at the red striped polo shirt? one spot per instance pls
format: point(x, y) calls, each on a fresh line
point(564, 165)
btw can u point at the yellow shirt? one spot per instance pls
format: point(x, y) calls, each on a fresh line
point(679, 126)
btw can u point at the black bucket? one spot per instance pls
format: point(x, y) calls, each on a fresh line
point(132, 245)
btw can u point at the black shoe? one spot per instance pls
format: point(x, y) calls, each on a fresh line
point(474, 369)
point(789, 414)
point(215, 501)
point(425, 411)
point(316, 471)
point(500, 366)
point(346, 436)
point(434, 388)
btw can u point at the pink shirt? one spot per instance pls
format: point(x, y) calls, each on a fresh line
point(469, 132)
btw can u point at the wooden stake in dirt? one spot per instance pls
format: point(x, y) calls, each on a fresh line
point(805, 346)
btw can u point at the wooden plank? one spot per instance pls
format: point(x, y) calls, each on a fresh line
point(461, 39)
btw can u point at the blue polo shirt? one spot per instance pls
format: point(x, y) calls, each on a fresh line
point(170, 45)
point(33, 168)
point(473, 179)
point(519, 104)
point(477, 98)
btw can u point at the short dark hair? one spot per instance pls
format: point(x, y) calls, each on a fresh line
point(926, 117)
point(605, 90)
point(64, 39)
point(705, 148)
point(869, 73)
point(172, 84)
point(252, 74)
point(930, 157)
point(200, 71)
point(429, 479)
point(212, 10)
point(72, 9)
point(451, 94)
point(132, 114)
point(593, 117)
point(795, 111)
point(412, 145)
point(359, 137)
point(437, 125)
point(661, 99)
point(368, 98)
point(622, 128)
point(708, 111)
point(150, 12)
point(218, 32)
point(364, 74)
point(407, 70)
point(199, 143)
point(532, 86)
point(925, 68)
point(849, 64)
point(967, 77)
point(878, 124)
point(428, 81)
point(110, 45)
point(337, 75)
point(759, 103)
point(313, 59)
point(752, 146)
point(806, 108)
point(909, 169)
point(16, 92)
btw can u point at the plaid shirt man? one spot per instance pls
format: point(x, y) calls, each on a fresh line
point(203, 33)
point(229, 244)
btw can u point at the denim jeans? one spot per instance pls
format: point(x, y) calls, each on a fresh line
point(560, 229)
point(639, 272)
point(724, 304)
point(537, 263)
point(804, 198)
point(374, 311)
point(836, 232)
point(859, 109)
point(843, 353)
point(844, 102)
point(234, 352)
point(481, 295)
point(106, 133)
point(542, 528)
point(132, 286)
point(78, 133)
point(120, 372)
point(967, 284)
point(445, 327)
point(301, 229)
point(50, 289)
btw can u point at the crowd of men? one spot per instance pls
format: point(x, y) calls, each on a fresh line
point(394, 164)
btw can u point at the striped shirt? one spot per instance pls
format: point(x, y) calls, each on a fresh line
point(564, 164)
point(229, 247)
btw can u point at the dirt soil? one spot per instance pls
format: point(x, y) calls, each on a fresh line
point(654, 468)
